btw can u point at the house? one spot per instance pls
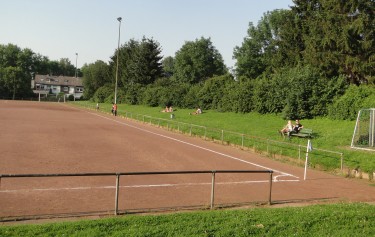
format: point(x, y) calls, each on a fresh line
point(46, 84)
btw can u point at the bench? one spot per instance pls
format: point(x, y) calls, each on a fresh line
point(305, 132)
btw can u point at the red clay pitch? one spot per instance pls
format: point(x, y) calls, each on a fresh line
point(45, 138)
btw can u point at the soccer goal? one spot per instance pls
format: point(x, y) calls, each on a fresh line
point(364, 131)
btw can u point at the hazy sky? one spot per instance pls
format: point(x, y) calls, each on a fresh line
point(61, 28)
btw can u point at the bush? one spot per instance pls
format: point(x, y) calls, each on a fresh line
point(103, 93)
point(355, 98)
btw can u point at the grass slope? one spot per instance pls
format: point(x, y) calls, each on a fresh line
point(316, 220)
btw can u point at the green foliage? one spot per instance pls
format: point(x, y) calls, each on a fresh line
point(197, 61)
point(139, 62)
point(168, 66)
point(95, 75)
point(298, 92)
point(314, 220)
point(104, 94)
point(261, 49)
point(338, 37)
point(211, 94)
point(354, 99)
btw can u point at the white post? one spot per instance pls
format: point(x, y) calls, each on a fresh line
point(309, 148)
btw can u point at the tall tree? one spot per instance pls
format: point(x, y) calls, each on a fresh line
point(95, 75)
point(168, 66)
point(139, 62)
point(261, 50)
point(339, 37)
point(197, 61)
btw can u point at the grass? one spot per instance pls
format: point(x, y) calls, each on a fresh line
point(332, 135)
point(316, 220)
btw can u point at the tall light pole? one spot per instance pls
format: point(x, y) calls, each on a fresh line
point(118, 49)
point(76, 63)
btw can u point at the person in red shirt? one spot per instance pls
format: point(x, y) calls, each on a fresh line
point(114, 109)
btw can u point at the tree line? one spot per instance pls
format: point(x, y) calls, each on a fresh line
point(307, 61)
point(18, 66)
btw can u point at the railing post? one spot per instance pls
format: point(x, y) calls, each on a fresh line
point(117, 193)
point(191, 126)
point(242, 140)
point(342, 161)
point(222, 136)
point(213, 190)
point(270, 195)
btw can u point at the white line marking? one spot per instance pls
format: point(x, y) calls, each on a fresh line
point(200, 147)
point(130, 186)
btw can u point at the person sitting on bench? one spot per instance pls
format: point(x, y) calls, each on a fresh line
point(287, 129)
point(297, 127)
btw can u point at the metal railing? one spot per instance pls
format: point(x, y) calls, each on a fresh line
point(239, 139)
point(118, 175)
point(244, 141)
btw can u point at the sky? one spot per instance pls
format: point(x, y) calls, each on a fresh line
point(64, 28)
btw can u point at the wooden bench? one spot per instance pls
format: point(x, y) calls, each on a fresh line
point(305, 132)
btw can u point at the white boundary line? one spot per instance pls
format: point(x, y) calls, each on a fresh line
point(283, 174)
point(134, 186)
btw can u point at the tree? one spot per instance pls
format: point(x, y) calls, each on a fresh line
point(197, 61)
point(168, 66)
point(95, 75)
point(16, 82)
point(339, 37)
point(16, 66)
point(261, 50)
point(139, 62)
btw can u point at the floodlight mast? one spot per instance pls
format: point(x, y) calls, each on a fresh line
point(76, 65)
point(118, 49)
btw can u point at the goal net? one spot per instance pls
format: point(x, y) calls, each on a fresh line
point(364, 131)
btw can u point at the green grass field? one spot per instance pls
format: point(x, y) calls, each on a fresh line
point(332, 135)
point(315, 220)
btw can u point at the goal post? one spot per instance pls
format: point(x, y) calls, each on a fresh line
point(364, 131)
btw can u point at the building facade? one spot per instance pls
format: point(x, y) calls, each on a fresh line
point(46, 84)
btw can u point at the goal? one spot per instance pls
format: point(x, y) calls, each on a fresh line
point(364, 131)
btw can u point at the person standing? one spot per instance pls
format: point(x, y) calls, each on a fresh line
point(115, 109)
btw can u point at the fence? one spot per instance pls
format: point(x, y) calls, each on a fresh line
point(318, 157)
point(118, 175)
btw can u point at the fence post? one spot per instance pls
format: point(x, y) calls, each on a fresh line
point(342, 161)
point(222, 136)
point(242, 138)
point(117, 193)
point(190, 129)
point(270, 195)
point(213, 189)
